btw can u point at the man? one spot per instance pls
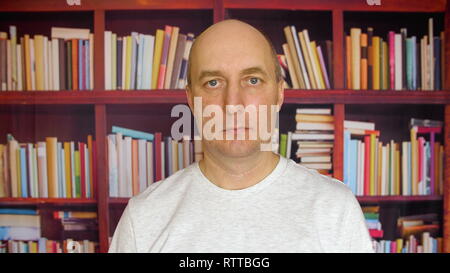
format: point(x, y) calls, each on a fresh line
point(239, 197)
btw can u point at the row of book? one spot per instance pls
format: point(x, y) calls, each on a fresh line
point(48, 169)
point(414, 167)
point(372, 219)
point(43, 245)
point(308, 63)
point(144, 61)
point(73, 221)
point(19, 224)
point(64, 61)
point(427, 244)
point(137, 159)
point(314, 135)
point(398, 62)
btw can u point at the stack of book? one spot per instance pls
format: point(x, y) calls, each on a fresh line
point(398, 62)
point(19, 224)
point(43, 245)
point(141, 61)
point(65, 61)
point(314, 135)
point(77, 220)
point(137, 159)
point(410, 245)
point(48, 169)
point(309, 64)
point(412, 167)
point(418, 224)
point(372, 217)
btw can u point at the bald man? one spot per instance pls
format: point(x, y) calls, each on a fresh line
point(239, 197)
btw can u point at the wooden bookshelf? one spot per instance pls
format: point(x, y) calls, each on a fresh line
point(79, 113)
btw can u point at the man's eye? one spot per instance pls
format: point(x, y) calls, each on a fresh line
point(212, 83)
point(254, 80)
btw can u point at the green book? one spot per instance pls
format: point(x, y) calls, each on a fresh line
point(77, 175)
point(371, 215)
point(69, 64)
point(283, 144)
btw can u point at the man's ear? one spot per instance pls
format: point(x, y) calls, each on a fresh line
point(280, 94)
point(189, 97)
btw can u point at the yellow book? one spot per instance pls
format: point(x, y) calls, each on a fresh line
point(307, 57)
point(290, 51)
point(385, 66)
point(317, 64)
point(39, 61)
point(27, 62)
point(113, 61)
point(33, 247)
point(372, 164)
point(376, 62)
point(52, 167)
point(171, 56)
point(68, 166)
point(129, 42)
point(399, 245)
point(355, 35)
point(292, 73)
point(414, 181)
point(157, 57)
point(313, 118)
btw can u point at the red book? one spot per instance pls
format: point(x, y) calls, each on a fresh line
point(74, 64)
point(366, 165)
point(157, 149)
point(420, 142)
point(82, 169)
point(376, 233)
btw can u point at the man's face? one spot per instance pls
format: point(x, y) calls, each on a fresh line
point(232, 67)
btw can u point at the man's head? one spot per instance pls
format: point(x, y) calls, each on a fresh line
point(232, 63)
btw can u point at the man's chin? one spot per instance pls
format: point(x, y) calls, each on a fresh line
point(237, 148)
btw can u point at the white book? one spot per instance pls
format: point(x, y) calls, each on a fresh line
point(142, 164)
point(313, 150)
point(300, 57)
point(140, 54)
point(150, 174)
point(91, 61)
point(300, 136)
point(314, 159)
point(127, 149)
point(314, 126)
point(45, 59)
point(359, 125)
point(108, 63)
point(392, 167)
point(187, 50)
point(404, 156)
point(35, 172)
point(70, 33)
point(8, 65)
point(42, 153)
point(33, 65)
point(147, 64)
point(317, 166)
point(121, 165)
point(315, 69)
point(32, 193)
point(55, 64)
point(113, 61)
point(289, 145)
point(112, 166)
point(19, 68)
point(383, 169)
point(361, 168)
point(398, 61)
point(50, 65)
point(314, 111)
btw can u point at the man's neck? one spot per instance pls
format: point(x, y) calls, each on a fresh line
point(238, 173)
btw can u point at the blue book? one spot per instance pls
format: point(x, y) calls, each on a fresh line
point(414, 63)
point(134, 48)
point(80, 64)
point(23, 173)
point(18, 211)
point(42, 245)
point(139, 59)
point(409, 63)
point(133, 133)
point(353, 165)
point(147, 65)
point(87, 86)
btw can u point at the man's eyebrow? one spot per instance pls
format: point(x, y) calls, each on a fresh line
point(250, 70)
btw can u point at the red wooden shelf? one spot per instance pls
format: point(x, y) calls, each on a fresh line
point(353, 5)
point(118, 200)
point(291, 96)
point(398, 199)
point(47, 201)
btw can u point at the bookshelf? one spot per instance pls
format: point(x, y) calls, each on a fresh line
point(30, 116)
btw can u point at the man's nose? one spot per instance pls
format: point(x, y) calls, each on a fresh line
point(233, 94)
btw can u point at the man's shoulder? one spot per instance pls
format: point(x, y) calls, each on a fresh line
point(164, 190)
point(310, 180)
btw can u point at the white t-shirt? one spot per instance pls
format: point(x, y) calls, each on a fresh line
point(293, 209)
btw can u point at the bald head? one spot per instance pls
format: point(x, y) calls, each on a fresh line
point(233, 33)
